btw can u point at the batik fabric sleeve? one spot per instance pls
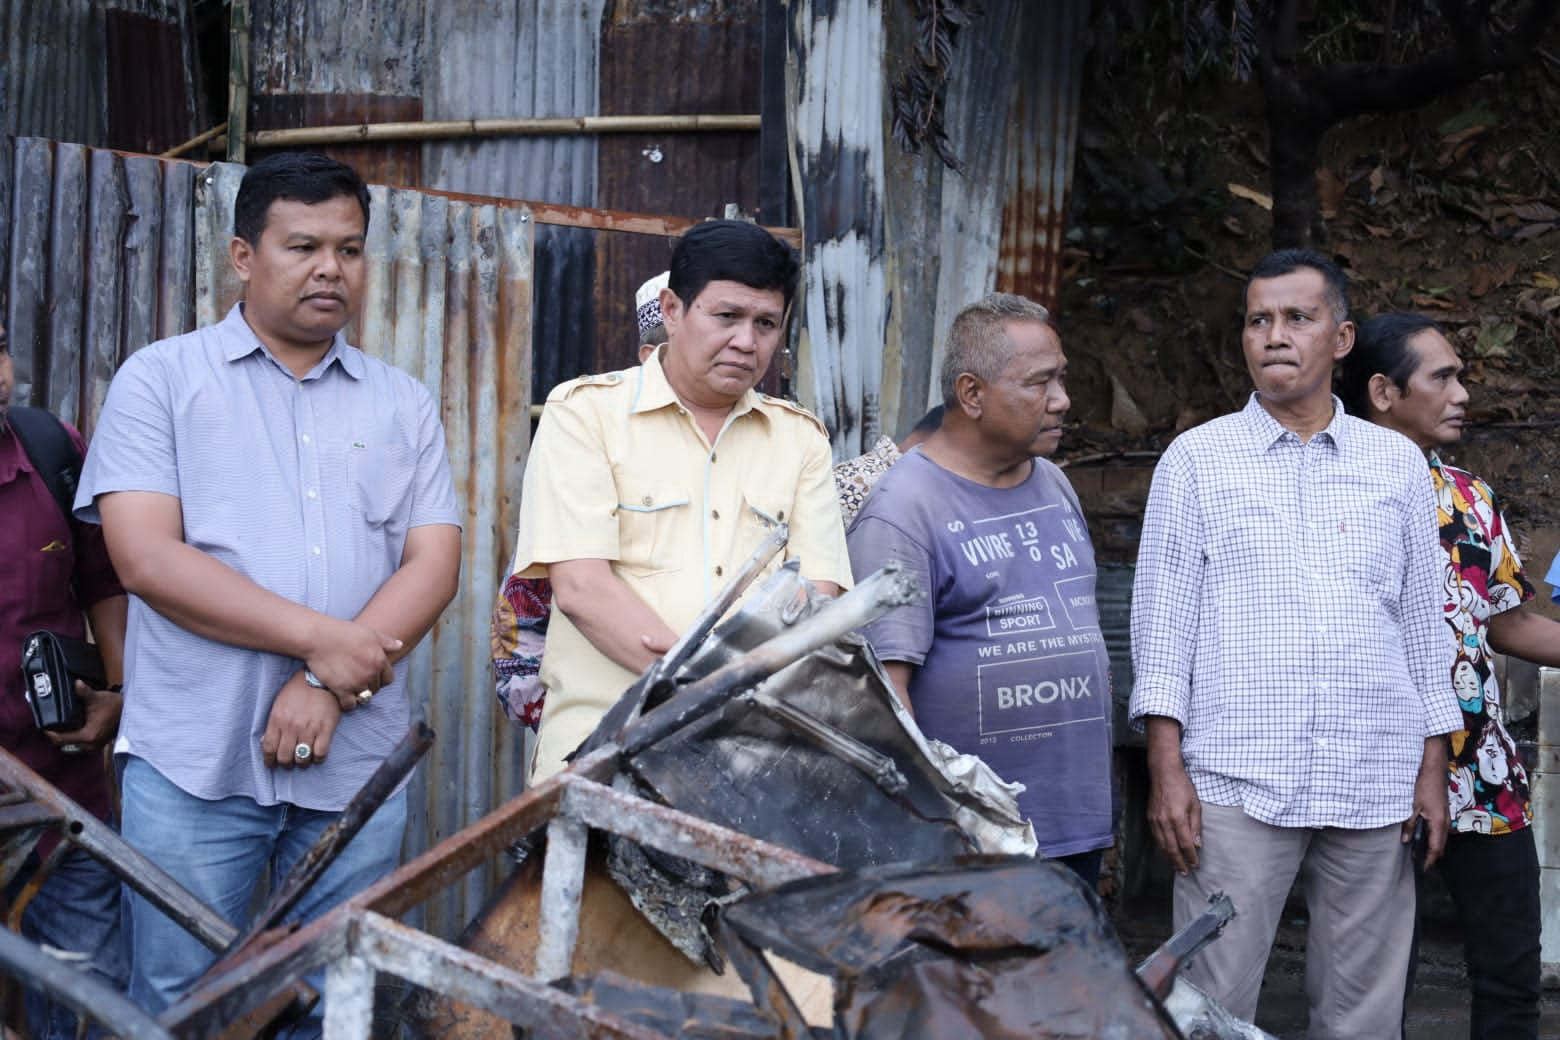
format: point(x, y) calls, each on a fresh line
point(518, 635)
point(1484, 577)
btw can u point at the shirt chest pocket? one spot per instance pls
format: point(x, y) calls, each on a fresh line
point(380, 473)
point(653, 519)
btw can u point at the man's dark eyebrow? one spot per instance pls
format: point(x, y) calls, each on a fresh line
point(728, 305)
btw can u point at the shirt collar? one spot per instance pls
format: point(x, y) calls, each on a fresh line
point(1266, 431)
point(655, 392)
point(240, 341)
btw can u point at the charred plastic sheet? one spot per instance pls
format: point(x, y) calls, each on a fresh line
point(820, 758)
point(1002, 947)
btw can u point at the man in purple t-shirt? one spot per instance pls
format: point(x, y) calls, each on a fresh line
point(1004, 658)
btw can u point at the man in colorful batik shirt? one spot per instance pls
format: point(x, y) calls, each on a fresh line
point(1403, 374)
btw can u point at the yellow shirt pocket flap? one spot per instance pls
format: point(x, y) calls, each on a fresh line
point(654, 518)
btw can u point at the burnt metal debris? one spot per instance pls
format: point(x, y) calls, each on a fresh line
point(762, 757)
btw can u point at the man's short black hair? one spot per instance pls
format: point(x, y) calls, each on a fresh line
point(1381, 345)
point(1288, 261)
point(732, 251)
point(306, 177)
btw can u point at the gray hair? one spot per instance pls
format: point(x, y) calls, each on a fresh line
point(978, 342)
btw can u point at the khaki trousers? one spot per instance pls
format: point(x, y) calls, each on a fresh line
point(1359, 892)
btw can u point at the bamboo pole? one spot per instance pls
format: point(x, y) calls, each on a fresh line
point(465, 128)
point(195, 142)
point(238, 79)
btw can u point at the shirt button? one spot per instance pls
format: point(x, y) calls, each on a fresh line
point(712, 456)
point(719, 570)
point(312, 494)
point(305, 438)
point(715, 513)
point(649, 501)
point(316, 550)
point(780, 515)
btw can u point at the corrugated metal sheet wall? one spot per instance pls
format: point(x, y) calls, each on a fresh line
point(106, 252)
point(518, 59)
point(113, 73)
point(53, 69)
point(836, 92)
point(1042, 140)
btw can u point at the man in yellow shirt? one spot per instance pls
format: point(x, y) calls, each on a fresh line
point(646, 489)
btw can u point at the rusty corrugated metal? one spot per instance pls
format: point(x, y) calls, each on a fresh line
point(837, 139)
point(687, 175)
point(151, 73)
point(1043, 137)
point(337, 62)
point(115, 73)
point(520, 58)
point(448, 299)
point(75, 309)
point(53, 69)
point(955, 236)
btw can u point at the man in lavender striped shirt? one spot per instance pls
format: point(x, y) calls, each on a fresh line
point(1291, 669)
point(280, 507)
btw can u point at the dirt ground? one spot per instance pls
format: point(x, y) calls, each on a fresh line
point(1451, 210)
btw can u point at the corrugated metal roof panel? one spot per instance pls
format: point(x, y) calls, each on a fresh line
point(689, 174)
point(336, 47)
point(523, 58)
point(1044, 133)
point(153, 96)
point(53, 69)
point(837, 159)
point(448, 299)
point(119, 73)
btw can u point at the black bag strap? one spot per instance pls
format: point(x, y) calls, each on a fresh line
point(52, 452)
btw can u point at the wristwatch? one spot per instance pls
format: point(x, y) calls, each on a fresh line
point(313, 680)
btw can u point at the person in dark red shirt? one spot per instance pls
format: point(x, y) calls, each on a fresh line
point(56, 576)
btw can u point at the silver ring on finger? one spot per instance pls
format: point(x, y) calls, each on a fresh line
point(364, 696)
point(302, 754)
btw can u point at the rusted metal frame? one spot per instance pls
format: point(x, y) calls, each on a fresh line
point(455, 856)
point(349, 998)
point(271, 974)
point(1159, 969)
point(759, 863)
point(874, 765)
point(769, 993)
point(631, 704)
point(563, 885)
point(352, 932)
point(380, 786)
point(97, 839)
point(547, 1012)
point(77, 989)
point(20, 829)
point(664, 668)
point(888, 588)
point(442, 129)
point(34, 885)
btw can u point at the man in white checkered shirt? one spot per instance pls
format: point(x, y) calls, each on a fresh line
point(1291, 669)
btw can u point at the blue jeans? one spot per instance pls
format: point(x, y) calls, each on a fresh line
point(76, 910)
point(219, 850)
